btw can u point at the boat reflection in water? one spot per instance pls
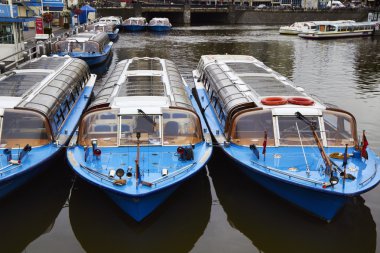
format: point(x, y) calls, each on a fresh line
point(102, 69)
point(100, 226)
point(275, 226)
point(32, 210)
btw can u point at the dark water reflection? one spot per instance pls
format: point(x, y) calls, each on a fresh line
point(31, 211)
point(273, 225)
point(239, 216)
point(175, 227)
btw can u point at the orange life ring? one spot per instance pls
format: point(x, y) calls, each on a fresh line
point(300, 101)
point(274, 101)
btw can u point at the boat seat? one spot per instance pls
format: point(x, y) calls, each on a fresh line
point(171, 128)
point(108, 116)
point(179, 115)
point(102, 128)
point(125, 128)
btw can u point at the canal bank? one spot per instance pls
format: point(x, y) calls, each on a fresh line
point(184, 14)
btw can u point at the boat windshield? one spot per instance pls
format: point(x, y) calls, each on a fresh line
point(293, 131)
point(21, 127)
point(181, 127)
point(73, 46)
point(340, 128)
point(174, 127)
point(147, 125)
point(249, 128)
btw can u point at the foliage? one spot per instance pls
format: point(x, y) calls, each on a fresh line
point(47, 17)
point(65, 13)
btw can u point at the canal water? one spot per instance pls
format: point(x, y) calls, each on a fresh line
point(219, 210)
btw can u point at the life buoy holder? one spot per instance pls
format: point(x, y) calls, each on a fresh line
point(274, 101)
point(300, 101)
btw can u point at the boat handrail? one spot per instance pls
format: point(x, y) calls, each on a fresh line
point(290, 175)
point(10, 168)
point(369, 178)
point(172, 175)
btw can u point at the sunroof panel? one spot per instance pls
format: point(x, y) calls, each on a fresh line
point(145, 64)
point(269, 86)
point(16, 85)
point(242, 67)
point(142, 86)
point(45, 63)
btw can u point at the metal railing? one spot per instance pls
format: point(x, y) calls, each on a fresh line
point(38, 49)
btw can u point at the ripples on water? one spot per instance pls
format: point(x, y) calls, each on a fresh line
point(229, 214)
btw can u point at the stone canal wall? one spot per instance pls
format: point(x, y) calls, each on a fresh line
point(232, 15)
point(287, 17)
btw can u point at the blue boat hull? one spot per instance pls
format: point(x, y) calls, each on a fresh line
point(113, 36)
point(140, 201)
point(18, 180)
point(140, 207)
point(134, 28)
point(159, 28)
point(321, 204)
point(91, 58)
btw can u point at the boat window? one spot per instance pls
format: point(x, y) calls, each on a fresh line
point(91, 46)
point(101, 125)
point(21, 127)
point(62, 46)
point(290, 135)
point(249, 128)
point(339, 128)
point(181, 131)
point(147, 125)
point(76, 47)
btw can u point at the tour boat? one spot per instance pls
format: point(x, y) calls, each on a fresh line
point(305, 151)
point(117, 20)
point(40, 105)
point(159, 24)
point(332, 30)
point(298, 27)
point(134, 24)
point(142, 136)
point(92, 47)
point(109, 28)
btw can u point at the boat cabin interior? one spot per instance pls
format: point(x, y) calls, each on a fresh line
point(37, 98)
point(135, 21)
point(83, 42)
point(150, 99)
point(236, 88)
point(101, 27)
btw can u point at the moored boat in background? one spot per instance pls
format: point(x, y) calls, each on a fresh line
point(141, 137)
point(159, 24)
point(92, 47)
point(299, 148)
point(40, 106)
point(117, 20)
point(109, 28)
point(134, 24)
point(333, 30)
point(298, 27)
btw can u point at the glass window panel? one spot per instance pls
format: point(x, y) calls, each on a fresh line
point(339, 128)
point(21, 127)
point(289, 134)
point(147, 125)
point(100, 125)
point(249, 128)
point(181, 127)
